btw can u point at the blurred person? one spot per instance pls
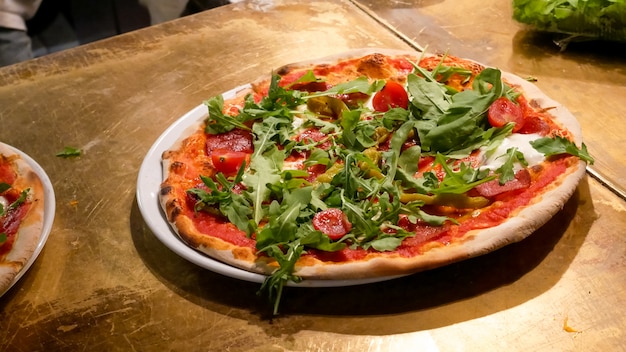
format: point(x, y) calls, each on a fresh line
point(165, 10)
point(15, 43)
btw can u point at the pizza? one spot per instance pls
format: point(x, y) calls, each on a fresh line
point(21, 214)
point(370, 164)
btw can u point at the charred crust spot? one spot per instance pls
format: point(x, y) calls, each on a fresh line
point(534, 104)
point(173, 209)
point(476, 68)
point(323, 69)
point(536, 169)
point(166, 190)
point(374, 59)
point(177, 166)
point(285, 70)
point(374, 66)
point(176, 211)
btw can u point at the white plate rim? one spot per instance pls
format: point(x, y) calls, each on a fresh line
point(49, 213)
point(148, 184)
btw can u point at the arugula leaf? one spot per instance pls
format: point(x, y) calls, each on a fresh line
point(16, 203)
point(415, 212)
point(386, 243)
point(359, 85)
point(362, 224)
point(560, 145)
point(409, 158)
point(3, 238)
point(430, 97)
point(392, 157)
point(506, 171)
point(217, 122)
point(278, 99)
point(461, 181)
point(326, 126)
point(349, 121)
point(232, 205)
point(309, 76)
point(281, 227)
point(318, 157)
point(4, 186)
point(273, 285)
point(461, 124)
point(265, 172)
point(395, 117)
point(316, 239)
point(20, 200)
point(69, 152)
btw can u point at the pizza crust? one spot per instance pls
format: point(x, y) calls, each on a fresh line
point(474, 243)
point(29, 233)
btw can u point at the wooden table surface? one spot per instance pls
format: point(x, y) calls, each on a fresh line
point(104, 282)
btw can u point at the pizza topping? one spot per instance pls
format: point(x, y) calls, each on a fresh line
point(535, 125)
point(236, 140)
point(561, 146)
point(332, 222)
point(13, 207)
point(495, 187)
point(512, 154)
point(310, 86)
point(393, 95)
point(503, 111)
point(327, 106)
point(458, 201)
point(228, 161)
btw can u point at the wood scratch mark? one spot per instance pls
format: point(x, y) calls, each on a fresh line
point(113, 312)
point(93, 210)
point(140, 328)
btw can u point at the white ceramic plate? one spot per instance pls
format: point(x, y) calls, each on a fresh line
point(148, 184)
point(48, 216)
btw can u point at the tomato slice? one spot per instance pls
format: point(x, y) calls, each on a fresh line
point(393, 95)
point(503, 111)
point(227, 161)
point(332, 222)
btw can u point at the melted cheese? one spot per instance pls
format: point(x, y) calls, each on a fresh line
point(495, 158)
point(4, 202)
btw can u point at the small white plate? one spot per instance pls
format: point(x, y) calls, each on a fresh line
point(148, 185)
point(48, 216)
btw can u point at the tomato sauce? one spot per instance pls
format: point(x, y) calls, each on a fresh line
point(218, 227)
point(341, 256)
point(7, 175)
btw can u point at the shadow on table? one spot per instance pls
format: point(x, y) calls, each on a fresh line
point(448, 295)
